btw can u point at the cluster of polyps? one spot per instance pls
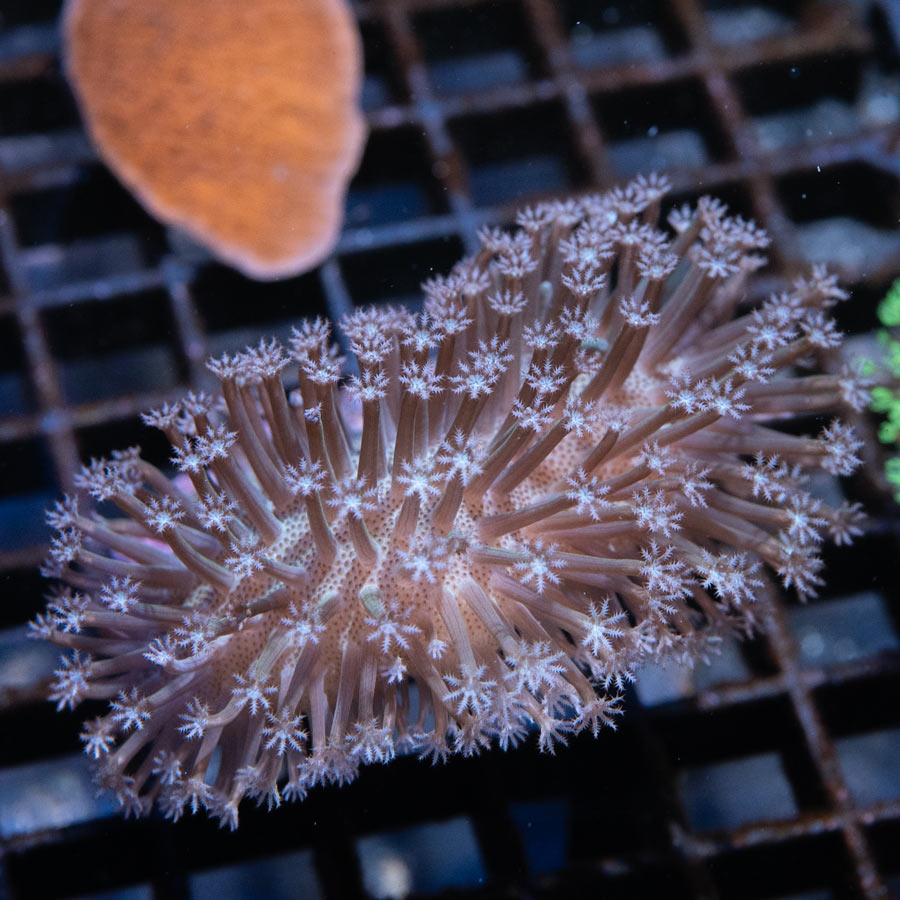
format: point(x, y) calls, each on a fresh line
point(563, 466)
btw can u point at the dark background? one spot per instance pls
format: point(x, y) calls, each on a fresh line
point(773, 773)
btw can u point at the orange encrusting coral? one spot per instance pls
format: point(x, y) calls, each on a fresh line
point(238, 122)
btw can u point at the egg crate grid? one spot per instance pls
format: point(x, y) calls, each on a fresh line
point(771, 774)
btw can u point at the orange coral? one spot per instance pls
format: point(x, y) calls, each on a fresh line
point(235, 121)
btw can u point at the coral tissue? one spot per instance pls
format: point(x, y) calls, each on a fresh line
point(568, 463)
point(237, 121)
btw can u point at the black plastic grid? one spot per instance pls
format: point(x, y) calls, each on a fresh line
point(772, 774)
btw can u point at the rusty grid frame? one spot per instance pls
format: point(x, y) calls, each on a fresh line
point(561, 82)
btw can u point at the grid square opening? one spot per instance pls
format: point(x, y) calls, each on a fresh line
point(229, 301)
point(15, 389)
point(476, 47)
point(884, 838)
point(93, 860)
point(40, 104)
point(860, 705)
point(22, 12)
point(286, 877)
point(237, 311)
point(855, 190)
point(603, 34)
point(869, 764)
point(395, 274)
point(863, 716)
point(382, 83)
point(26, 487)
point(846, 215)
point(737, 22)
point(807, 102)
point(762, 736)
point(736, 661)
point(23, 590)
point(729, 794)
point(792, 85)
point(135, 892)
point(92, 205)
point(518, 153)
point(663, 126)
point(842, 630)
point(432, 857)
point(543, 827)
point(24, 663)
point(71, 270)
point(112, 348)
point(782, 869)
point(594, 765)
point(872, 554)
point(394, 182)
point(119, 434)
point(42, 732)
point(625, 878)
point(49, 795)
point(857, 318)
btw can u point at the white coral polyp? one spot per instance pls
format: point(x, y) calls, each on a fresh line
point(543, 479)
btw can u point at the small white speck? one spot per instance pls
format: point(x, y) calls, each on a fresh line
point(653, 131)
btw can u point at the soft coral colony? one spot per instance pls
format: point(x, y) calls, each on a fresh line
point(563, 466)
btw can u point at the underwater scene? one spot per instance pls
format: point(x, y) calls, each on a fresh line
point(449, 449)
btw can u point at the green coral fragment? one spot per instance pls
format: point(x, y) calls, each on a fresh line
point(882, 399)
point(893, 470)
point(886, 400)
point(889, 308)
